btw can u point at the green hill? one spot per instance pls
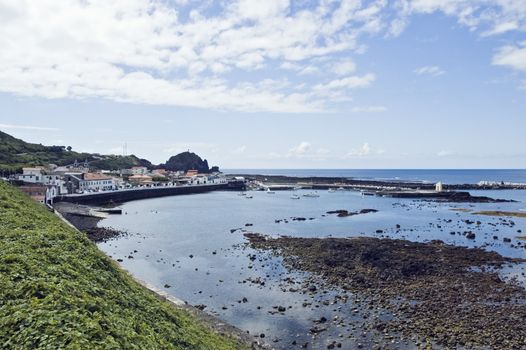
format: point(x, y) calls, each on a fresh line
point(59, 291)
point(186, 161)
point(16, 153)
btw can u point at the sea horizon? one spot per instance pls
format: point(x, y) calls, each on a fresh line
point(452, 176)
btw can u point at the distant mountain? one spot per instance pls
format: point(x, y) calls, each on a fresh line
point(16, 153)
point(187, 161)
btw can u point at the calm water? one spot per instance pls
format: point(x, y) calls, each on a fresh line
point(186, 242)
point(456, 176)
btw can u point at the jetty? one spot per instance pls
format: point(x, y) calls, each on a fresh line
point(125, 195)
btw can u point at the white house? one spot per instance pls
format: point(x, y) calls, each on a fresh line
point(95, 182)
point(139, 170)
point(38, 175)
point(31, 175)
point(207, 180)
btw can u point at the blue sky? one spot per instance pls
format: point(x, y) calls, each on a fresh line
point(274, 84)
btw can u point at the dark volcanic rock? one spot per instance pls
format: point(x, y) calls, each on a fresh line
point(344, 213)
point(101, 234)
point(431, 287)
point(186, 161)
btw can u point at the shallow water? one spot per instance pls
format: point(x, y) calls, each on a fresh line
point(186, 242)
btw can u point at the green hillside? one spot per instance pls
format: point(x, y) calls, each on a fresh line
point(16, 153)
point(186, 161)
point(59, 291)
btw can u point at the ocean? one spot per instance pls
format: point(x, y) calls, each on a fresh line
point(449, 176)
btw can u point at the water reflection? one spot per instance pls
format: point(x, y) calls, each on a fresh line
point(186, 242)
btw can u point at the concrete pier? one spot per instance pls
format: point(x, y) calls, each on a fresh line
point(101, 198)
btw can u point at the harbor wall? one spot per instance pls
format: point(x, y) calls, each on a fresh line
point(101, 198)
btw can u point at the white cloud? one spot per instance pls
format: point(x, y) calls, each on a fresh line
point(501, 28)
point(434, 71)
point(300, 149)
point(344, 67)
point(396, 27)
point(511, 56)
point(364, 151)
point(303, 150)
point(152, 52)
point(369, 109)
point(27, 127)
point(492, 16)
point(146, 51)
point(259, 10)
point(351, 82)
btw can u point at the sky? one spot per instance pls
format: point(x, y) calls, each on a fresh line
point(271, 84)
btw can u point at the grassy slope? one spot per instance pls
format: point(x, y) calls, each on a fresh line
point(57, 290)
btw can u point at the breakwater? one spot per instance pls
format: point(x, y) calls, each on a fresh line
point(101, 198)
point(319, 182)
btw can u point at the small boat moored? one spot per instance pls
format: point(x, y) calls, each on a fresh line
point(311, 195)
point(368, 193)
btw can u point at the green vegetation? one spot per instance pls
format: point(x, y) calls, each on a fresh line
point(59, 291)
point(113, 162)
point(186, 161)
point(501, 213)
point(15, 154)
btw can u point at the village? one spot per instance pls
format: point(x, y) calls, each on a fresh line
point(44, 183)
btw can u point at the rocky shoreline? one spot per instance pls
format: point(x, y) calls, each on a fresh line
point(446, 295)
point(324, 182)
point(82, 217)
point(85, 218)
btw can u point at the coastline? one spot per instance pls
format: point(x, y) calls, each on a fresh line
point(325, 182)
point(340, 213)
point(80, 217)
point(51, 265)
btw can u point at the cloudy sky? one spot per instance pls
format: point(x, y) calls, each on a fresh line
point(271, 84)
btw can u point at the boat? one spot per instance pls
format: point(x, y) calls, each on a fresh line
point(242, 194)
point(269, 191)
point(331, 190)
point(295, 196)
point(249, 196)
point(341, 189)
point(296, 188)
point(311, 195)
point(364, 193)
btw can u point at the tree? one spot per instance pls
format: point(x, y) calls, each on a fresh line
point(69, 148)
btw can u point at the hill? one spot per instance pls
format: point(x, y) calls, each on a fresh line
point(59, 291)
point(16, 153)
point(186, 161)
